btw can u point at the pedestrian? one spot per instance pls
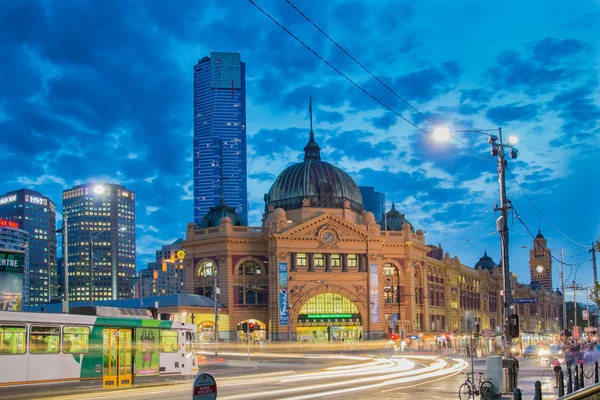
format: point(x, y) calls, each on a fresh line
point(557, 368)
point(569, 357)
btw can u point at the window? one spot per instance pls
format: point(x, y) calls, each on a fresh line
point(352, 261)
point(76, 339)
point(301, 260)
point(12, 339)
point(44, 339)
point(206, 269)
point(319, 260)
point(168, 341)
point(336, 260)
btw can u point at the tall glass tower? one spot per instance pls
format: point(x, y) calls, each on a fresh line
point(220, 134)
point(36, 214)
point(373, 201)
point(101, 224)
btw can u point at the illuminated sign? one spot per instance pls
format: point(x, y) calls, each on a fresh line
point(10, 224)
point(8, 199)
point(180, 254)
point(12, 262)
point(36, 200)
point(10, 303)
point(319, 316)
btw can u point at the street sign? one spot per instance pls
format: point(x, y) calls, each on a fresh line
point(413, 337)
point(531, 300)
point(585, 315)
point(205, 387)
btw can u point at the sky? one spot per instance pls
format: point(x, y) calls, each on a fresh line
point(101, 91)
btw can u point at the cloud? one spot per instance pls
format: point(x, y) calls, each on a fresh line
point(151, 209)
point(513, 112)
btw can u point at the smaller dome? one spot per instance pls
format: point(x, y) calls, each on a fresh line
point(217, 213)
point(539, 235)
point(279, 213)
point(368, 218)
point(535, 285)
point(558, 292)
point(394, 220)
point(485, 262)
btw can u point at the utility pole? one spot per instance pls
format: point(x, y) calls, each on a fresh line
point(575, 308)
point(562, 277)
point(502, 227)
point(215, 298)
point(593, 251)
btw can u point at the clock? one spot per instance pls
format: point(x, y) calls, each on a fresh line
point(539, 269)
point(180, 254)
point(328, 237)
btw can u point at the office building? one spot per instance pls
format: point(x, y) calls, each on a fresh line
point(14, 261)
point(165, 276)
point(101, 223)
point(36, 214)
point(373, 201)
point(220, 134)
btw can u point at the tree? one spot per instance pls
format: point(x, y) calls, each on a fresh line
point(595, 295)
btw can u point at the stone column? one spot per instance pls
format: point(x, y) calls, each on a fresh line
point(409, 287)
point(426, 325)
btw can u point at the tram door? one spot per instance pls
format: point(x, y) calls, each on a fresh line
point(117, 358)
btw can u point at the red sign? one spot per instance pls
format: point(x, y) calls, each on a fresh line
point(205, 387)
point(10, 224)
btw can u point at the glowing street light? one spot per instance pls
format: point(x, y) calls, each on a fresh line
point(513, 139)
point(99, 189)
point(442, 134)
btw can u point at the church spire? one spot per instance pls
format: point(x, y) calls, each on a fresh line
point(312, 151)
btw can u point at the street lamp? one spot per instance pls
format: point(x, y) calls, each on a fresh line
point(98, 190)
point(444, 134)
point(562, 278)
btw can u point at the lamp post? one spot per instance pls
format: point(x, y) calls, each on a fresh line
point(444, 134)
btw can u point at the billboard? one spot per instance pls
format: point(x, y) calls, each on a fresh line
point(374, 292)
point(147, 351)
point(283, 294)
point(12, 262)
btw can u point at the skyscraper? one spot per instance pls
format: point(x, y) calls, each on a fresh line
point(220, 134)
point(36, 214)
point(373, 201)
point(101, 223)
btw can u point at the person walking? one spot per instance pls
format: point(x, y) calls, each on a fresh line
point(557, 368)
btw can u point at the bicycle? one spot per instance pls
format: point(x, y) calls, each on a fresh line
point(469, 389)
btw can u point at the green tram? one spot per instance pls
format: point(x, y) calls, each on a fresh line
point(111, 344)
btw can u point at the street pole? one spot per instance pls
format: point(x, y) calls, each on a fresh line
point(289, 324)
point(593, 251)
point(216, 326)
point(575, 309)
point(65, 308)
point(502, 226)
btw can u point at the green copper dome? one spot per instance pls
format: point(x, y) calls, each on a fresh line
point(394, 220)
point(314, 183)
point(485, 262)
point(216, 213)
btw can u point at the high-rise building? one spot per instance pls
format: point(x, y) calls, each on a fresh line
point(220, 134)
point(373, 201)
point(540, 262)
point(36, 214)
point(101, 223)
point(166, 275)
point(14, 261)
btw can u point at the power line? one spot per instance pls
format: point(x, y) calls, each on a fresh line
point(540, 211)
point(360, 87)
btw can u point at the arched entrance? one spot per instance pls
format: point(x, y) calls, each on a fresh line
point(206, 331)
point(252, 330)
point(329, 317)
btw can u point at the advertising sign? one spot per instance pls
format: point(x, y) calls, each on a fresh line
point(585, 314)
point(283, 294)
point(10, 224)
point(8, 199)
point(12, 262)
point(205, 387)
point(10, 302)
point(374, 292)
point(147, 350)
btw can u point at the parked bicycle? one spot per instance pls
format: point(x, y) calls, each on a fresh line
point(469, 389)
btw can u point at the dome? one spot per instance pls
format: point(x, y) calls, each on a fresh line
point(394, 220)
point(216, 213)
point(539, 235)
point(314, 183)
point(535, 285)
point(485, 262)
point(558, 292)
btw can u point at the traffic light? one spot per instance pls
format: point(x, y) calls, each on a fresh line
point(243, 327)
point(476, 330)
point(251, 326)
point(393, 337)
point(513, 325)
point(447, 335)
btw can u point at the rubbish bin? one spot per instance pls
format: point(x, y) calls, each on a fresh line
point(513, 372)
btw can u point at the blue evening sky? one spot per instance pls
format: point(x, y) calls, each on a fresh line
point(102, 91)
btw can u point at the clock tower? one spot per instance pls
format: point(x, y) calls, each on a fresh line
point(540, 262)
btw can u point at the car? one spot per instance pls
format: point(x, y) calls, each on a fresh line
point(531, 351)
point(556, 350)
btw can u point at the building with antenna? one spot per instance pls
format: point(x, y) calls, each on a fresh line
point(220, 134)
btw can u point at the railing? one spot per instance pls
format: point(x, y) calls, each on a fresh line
point(575, 385)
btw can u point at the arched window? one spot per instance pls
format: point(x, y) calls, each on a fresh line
point(207, 268)
point(252, 284)
point(205, 271)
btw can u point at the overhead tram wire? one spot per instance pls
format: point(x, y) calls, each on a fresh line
point(540, 211)
point(360, 87)
point(374, 76)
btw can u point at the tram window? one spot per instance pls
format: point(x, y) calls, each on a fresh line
point(76, 339)
point(44, 339)
point(168, 341)
point(12, 339)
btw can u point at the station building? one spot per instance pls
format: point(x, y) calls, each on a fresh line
point(321, 267)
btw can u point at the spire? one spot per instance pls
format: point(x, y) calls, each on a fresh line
point(312, 151)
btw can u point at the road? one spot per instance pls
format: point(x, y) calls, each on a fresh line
point(309, 377)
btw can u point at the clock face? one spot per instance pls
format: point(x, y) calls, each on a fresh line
point(180, 254)
point(539, 269)
point(328, 237)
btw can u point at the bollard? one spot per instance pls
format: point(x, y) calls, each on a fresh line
point(581, 377)
point(561, 384)
point(576, 379)
point(538, 391)
point(569, 381)
point(517, 395)
point(596, 372)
